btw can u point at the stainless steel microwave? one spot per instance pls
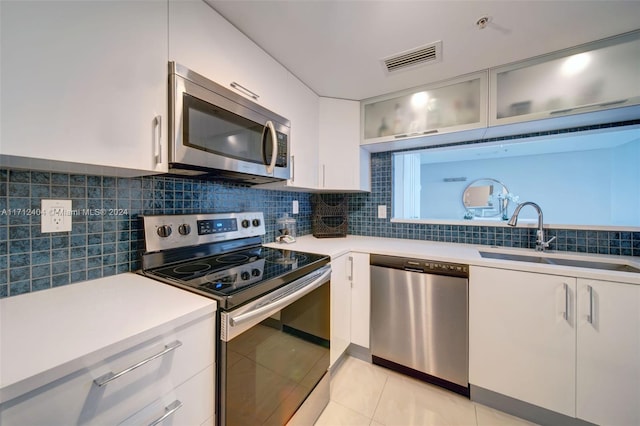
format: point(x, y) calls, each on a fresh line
point(217, 133)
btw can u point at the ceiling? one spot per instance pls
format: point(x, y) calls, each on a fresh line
point(336, 47)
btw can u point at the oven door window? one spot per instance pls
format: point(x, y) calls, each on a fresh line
point(216, 130)
point(271, 368)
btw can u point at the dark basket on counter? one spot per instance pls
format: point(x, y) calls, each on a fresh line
point(329, 215)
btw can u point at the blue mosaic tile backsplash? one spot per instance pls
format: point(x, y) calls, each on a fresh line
point(107, 235)
point(111, 242)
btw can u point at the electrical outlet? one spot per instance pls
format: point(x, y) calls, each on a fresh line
point(382, 212)
point(295, 208)
point(56, 216)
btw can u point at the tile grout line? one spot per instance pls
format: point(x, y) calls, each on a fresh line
point(386, 380)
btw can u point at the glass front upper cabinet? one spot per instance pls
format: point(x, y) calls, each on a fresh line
point(593, 77)
point(454, 105)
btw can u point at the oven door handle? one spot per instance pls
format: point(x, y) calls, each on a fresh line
point(274, 305)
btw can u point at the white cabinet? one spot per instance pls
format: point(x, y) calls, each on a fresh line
point(344, 166)
point(184, 372)
point(427, 113)
point(84, 86)
point(586, 365)
point(205, 42)
point(596, 77)
point(520, 343)
point(301, 107)
point(360, 298)
point(608, 362)
point(191, 402)
point(340, 307)
point(302, 110)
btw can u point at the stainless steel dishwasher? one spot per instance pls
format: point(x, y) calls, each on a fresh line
point(420, 319)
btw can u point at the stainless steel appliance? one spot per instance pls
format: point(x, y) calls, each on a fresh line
point(420, 319)
point(274, 313)
point(215, 132)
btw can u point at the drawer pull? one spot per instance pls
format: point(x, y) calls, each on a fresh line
point(104, 379)
point(169, 410)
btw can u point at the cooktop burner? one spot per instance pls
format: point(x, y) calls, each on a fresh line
point(232, 258)
point(191, 268)
point(227, 274)
point(220, 255)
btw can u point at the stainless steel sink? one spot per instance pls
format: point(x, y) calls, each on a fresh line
point(607, 266)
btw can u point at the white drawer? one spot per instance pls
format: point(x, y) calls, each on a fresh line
point(191, 403)
point(77, 399)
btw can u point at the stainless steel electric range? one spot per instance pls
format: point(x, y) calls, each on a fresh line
point(273, 317)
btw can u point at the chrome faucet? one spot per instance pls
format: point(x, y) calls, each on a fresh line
point(541, 244)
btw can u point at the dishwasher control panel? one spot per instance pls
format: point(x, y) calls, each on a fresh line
point(421, 265)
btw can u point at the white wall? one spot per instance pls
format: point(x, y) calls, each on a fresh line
point(598, 187)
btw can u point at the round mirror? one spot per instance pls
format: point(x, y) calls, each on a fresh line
point(485, 198)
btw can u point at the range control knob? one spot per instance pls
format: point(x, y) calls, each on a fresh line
point(256, 222)
point(164, 231)
point(255, 272)
point(184, 229)
point(245, 275)
point(245, 223)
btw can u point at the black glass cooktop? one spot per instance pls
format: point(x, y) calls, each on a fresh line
point(237, 277)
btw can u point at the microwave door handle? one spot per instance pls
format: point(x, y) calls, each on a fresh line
point(274, 150)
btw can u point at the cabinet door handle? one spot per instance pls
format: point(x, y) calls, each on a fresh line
point(350, 276)
point(169, 410)
point(590, 314)
point(158, 142)
point(106, 378)
point(324, 175)
point(242, 89)
point(406, 135)
point(565, 314)
point(602, 104)
point(293, 168)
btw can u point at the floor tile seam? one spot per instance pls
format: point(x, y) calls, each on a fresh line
point(343, 370)
point(375, 410)
point(352, 410)
point(475, 410)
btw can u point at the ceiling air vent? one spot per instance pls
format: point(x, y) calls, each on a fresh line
point(422, 55)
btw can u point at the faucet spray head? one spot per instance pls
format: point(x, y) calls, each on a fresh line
point(514, 217)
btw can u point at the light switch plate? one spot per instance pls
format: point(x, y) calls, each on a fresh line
point(55, 216)
point(382, 212)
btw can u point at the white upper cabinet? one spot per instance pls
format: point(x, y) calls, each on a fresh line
point(303, 111)
point(84, 86)
point(301, 107)
point(452, 106)
point(600, 76)
point(344, 166)
point(203, 41)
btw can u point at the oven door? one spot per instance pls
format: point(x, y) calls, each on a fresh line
point(215, 129)
point(274, 352)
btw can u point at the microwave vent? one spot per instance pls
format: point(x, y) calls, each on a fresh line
point(418, 56)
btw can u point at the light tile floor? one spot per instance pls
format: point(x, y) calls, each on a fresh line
point(366, 394)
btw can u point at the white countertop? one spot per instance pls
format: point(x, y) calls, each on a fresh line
point(462, 253)
point(48, 334)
